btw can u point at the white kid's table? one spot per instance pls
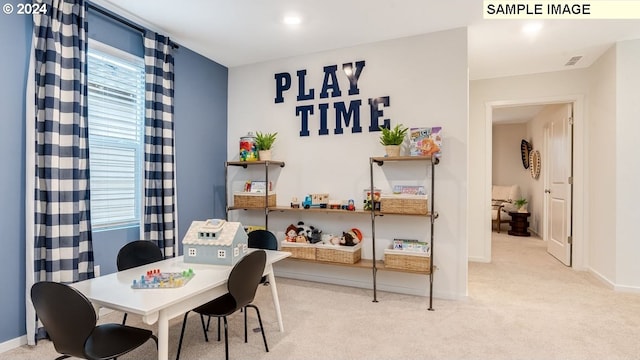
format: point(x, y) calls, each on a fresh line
point(114, 291)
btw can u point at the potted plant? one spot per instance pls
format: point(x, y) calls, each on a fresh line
point(391, 139)
point(264, 142)
point(521, 205)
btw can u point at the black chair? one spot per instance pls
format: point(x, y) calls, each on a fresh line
point(137, 253)
point(242, 286)
point(70, 320)
point(262, 239)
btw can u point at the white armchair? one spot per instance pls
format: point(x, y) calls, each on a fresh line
point(502, 198)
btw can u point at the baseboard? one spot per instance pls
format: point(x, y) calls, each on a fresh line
point(478, 259)
point(602, 278)
point(616, 287)
point(629, 289)
point(13, 343)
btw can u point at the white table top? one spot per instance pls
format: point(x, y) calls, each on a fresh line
point(114, 290)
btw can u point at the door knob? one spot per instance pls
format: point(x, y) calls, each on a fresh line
point(547, 191)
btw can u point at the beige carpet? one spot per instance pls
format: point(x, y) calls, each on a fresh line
point(524, 305)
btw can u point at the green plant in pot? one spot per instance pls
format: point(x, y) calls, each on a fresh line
point(264, 142)
point(521, 205)
point(391, 139)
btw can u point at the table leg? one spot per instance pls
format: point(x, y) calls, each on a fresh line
point(274, 294)
point(163, 337)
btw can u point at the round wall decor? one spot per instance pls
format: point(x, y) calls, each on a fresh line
point(534, 164)
point(525, 149)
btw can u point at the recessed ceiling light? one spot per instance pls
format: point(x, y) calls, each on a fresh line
point(292, 20)
point(532, 28)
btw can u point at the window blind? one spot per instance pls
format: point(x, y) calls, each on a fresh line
point(116, 125)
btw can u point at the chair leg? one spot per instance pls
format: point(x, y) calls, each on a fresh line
point(245, 324)
point(184, 323)
point(124, 319)
point(204, 329)
point(264, 338)
point(226, 339)
point(218, 328)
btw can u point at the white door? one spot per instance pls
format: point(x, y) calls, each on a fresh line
point(558, 183)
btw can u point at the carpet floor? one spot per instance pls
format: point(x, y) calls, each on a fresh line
point(523, 305)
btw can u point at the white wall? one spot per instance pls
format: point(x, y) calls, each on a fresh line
point(602, 131)
point(507, 166)
point(627, 164)
point(426, 79)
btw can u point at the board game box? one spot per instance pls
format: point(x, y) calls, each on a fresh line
point(425, 141)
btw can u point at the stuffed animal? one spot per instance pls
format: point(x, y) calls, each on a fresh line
point(334, 240)
point(303, 232)
point(310, 233)
point(351, 237)
point(291, 233)
point(301, 239)
point(316, 235)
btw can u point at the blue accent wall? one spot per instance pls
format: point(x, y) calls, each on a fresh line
point(15, 41)
point(200, 130)
point(200, 120)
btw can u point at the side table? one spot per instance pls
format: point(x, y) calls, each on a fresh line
point(519, 223)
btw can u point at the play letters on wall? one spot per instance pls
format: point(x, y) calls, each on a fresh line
point(345, 113)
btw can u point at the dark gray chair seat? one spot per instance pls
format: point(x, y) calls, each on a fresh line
point(242, 286)
point(70, 321)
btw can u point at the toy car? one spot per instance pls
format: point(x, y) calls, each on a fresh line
point(315, 200)
point(351, 206)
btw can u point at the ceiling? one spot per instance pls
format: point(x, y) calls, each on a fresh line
point(241, 32)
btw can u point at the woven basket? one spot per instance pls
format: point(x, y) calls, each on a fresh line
point(404, 260)
point(299, 250)
point(252, 200)
point(404, 205)
point(339, 254)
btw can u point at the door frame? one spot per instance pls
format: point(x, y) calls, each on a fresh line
point(580, 198)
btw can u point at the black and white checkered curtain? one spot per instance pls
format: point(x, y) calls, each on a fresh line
point(58, 222)
point(159, 175)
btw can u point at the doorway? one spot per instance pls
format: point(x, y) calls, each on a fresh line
point(575, 220)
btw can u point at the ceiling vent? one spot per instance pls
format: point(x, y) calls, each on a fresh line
point(573, 61)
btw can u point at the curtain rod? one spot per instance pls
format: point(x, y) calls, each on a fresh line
point(124, 22)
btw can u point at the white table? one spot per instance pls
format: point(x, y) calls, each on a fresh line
point(114, 291)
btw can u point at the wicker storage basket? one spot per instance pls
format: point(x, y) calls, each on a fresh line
point(252, 200)
point(339, 254)
point(410, 205)
point(299, 250)
point(406, 260)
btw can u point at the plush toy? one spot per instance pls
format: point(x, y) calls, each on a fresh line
point(351, 237)
point(291, 233)
point(301, 238)
point(316, 235)
point(310, 233)
point(303, 232)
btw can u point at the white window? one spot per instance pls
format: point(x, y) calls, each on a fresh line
point(116, 135)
